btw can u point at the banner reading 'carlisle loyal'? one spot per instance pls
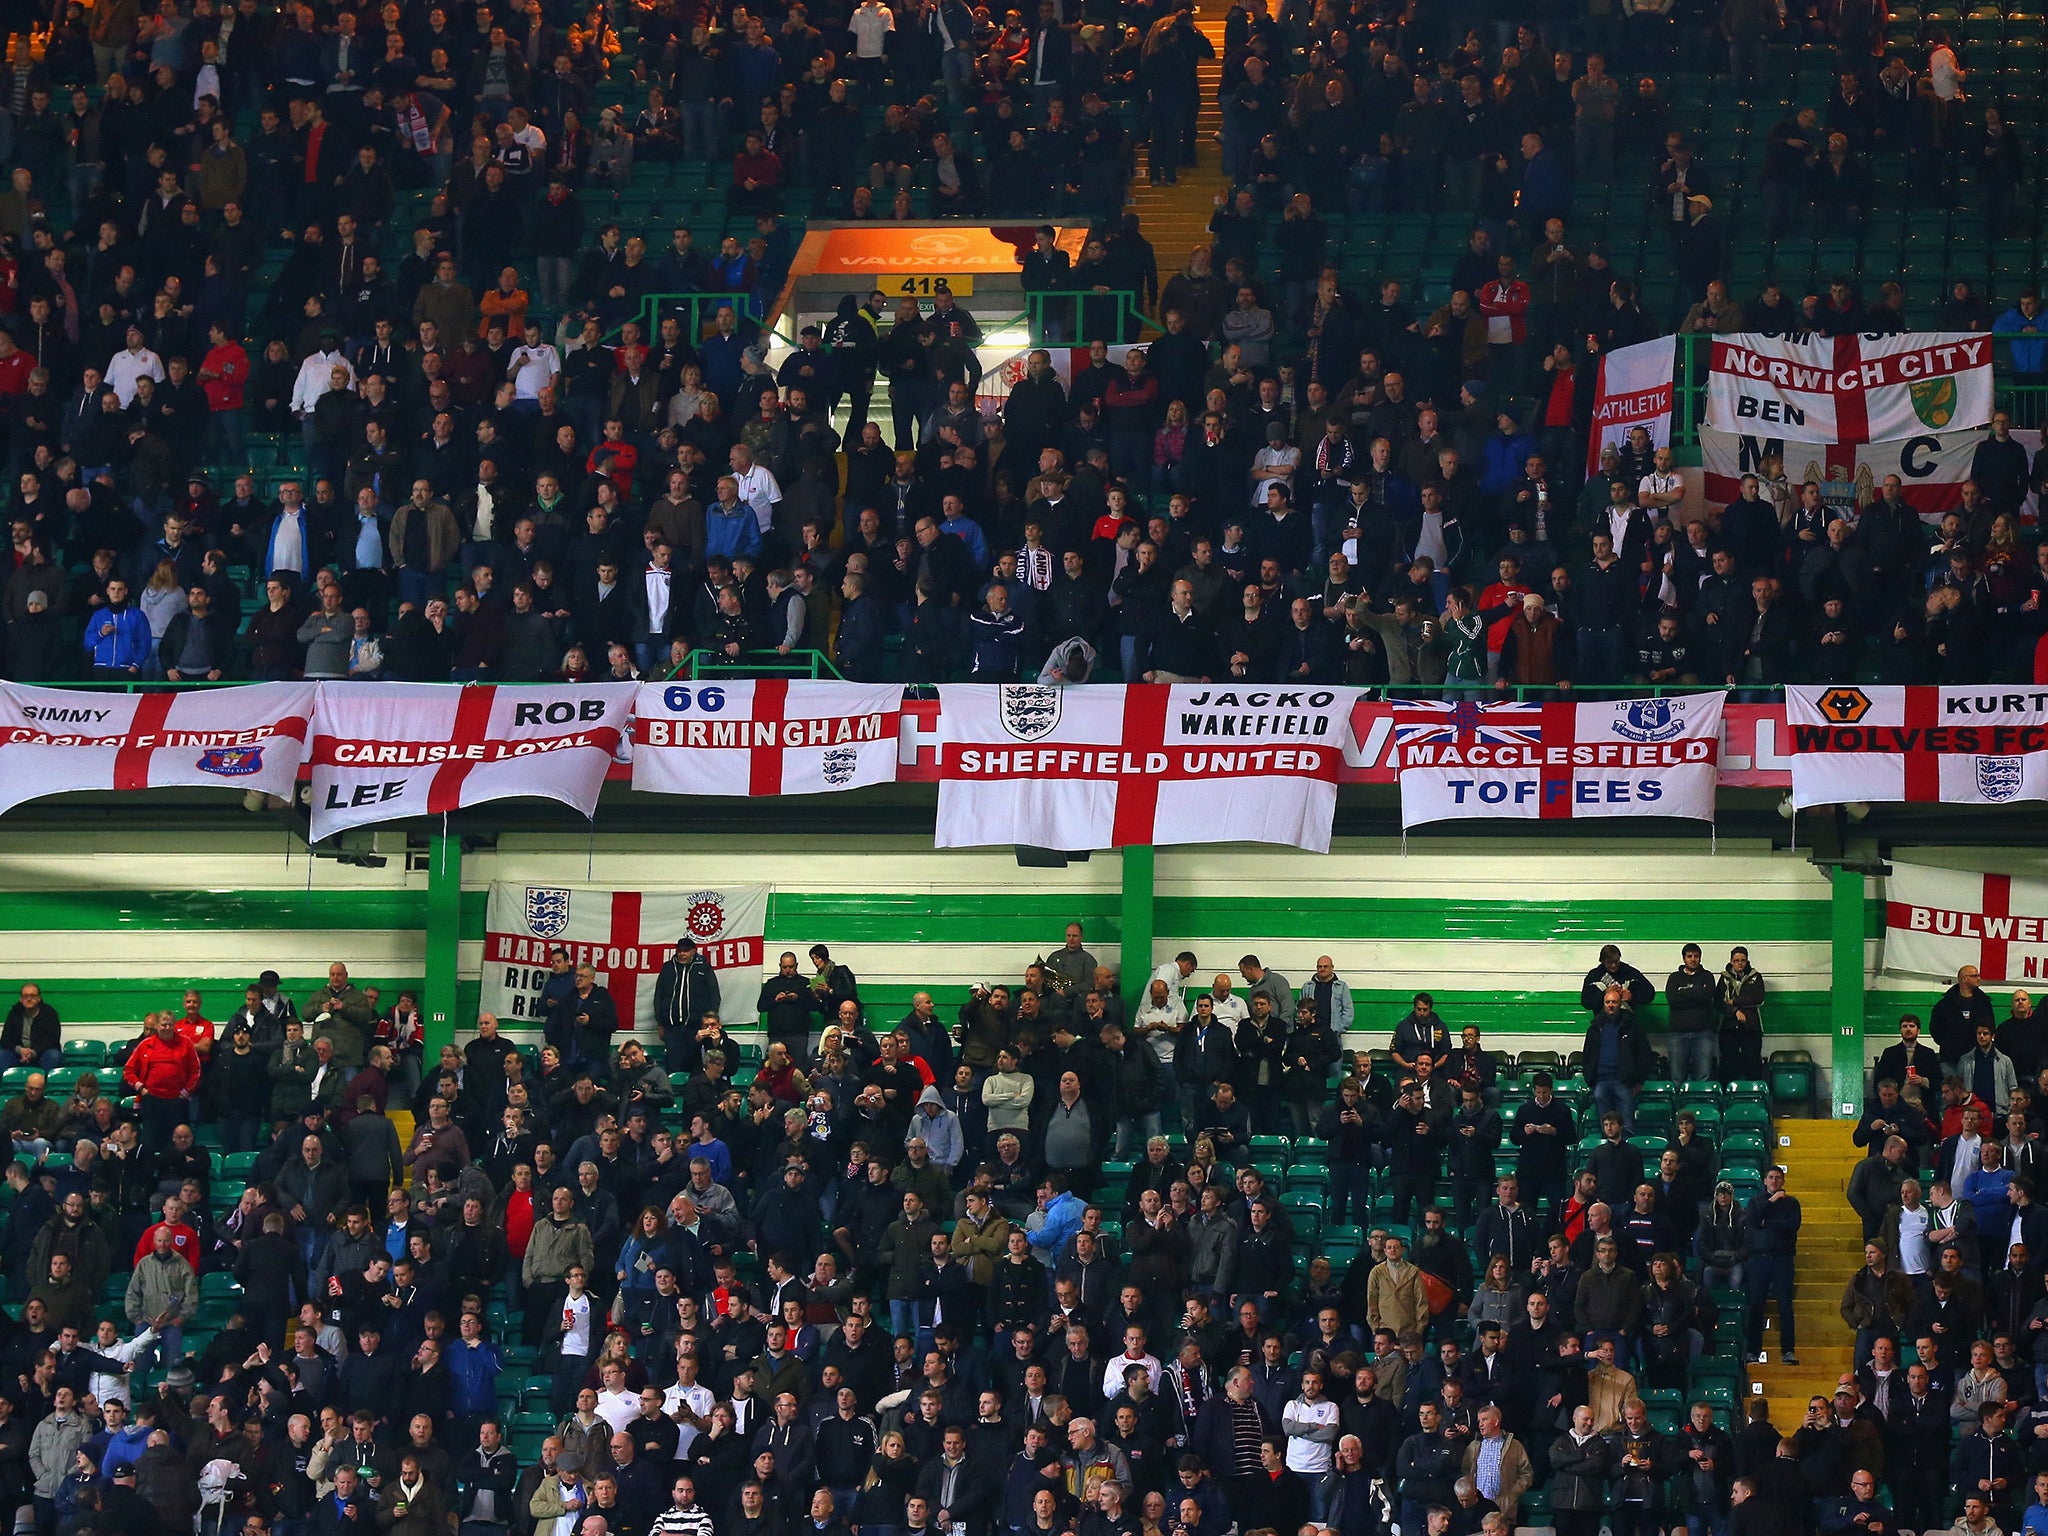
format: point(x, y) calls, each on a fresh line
point(1111, 765)
point(1465, 760)
point(1849, 389)
point(383, 751)
point(1968, 746)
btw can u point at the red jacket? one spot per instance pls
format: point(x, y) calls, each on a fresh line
point(161, 1071)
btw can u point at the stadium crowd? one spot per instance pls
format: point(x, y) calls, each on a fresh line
point(492, 469)
point(901, 1281)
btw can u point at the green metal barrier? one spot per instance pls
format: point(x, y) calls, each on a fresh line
point(1075, 319)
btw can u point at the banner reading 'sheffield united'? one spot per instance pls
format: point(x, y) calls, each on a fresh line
point(624, 936)
point(1936, 921)
point(771, 737)
point(1849, 389)
point(1625, 757)
point(53, 740)
point(1967, 746)
point(383, 751)
point(1111, 765)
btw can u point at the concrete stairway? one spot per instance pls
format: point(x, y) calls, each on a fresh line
point(1176, 219)
point(1818, 1158)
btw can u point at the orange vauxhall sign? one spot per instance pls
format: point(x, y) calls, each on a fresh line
point(852, 252)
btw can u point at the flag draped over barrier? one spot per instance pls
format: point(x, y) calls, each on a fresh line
point(1968, 746)
point(1624, 757)
point(1849, 389)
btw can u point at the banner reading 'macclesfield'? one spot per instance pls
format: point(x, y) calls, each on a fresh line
point(1464, 760)
point(1109, 766)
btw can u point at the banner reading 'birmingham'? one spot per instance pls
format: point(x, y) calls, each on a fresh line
point(776, 736)
point(1554, 762)
point(1967, 746)
point(1849, 389)
point(1108, 766)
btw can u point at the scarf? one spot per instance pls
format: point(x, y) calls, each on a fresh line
point(412, 122)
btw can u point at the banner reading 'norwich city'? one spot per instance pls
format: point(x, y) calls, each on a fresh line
point(1849, 389)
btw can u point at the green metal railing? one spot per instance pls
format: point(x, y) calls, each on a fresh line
point(1112, 316)
point(1530, 693)
point(807, 666)
point(697, 311)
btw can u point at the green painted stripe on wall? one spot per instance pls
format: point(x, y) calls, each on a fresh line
point(1007, 917)
point(116, 911)
point(100, 1000)
point(1029, 918)
point(1346, 917)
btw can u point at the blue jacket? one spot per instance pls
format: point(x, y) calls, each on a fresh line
point(733, 533)
point(126, 644)
point(1501, 460)
point(475, 1374)
point(2029, 355)
point(1062, 1221)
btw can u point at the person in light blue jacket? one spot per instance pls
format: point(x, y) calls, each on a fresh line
point(939, 1127)
point(731, 528)
point(1058, 1215)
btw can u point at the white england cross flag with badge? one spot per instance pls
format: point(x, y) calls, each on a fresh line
point(53, 740)
point(1955, 746)
point(1931, 468)
point(1936, 921)
point(1849, 389)
point(1465, 759)
point(383, 751)
point(772, 737)
point(1114, 765)
point(625, 936)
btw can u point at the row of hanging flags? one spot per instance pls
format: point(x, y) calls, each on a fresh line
point(1095, 766)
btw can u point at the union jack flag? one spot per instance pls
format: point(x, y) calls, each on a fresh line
point(1468, 720)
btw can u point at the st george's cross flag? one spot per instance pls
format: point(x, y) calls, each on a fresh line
point(385, 751)
point(775, 736)
point(53, 739)
point(1113, 765)
point(1849, 389)
point(625, 936)
point(1936, 921)
point(1955, 746)
point(1464, 759)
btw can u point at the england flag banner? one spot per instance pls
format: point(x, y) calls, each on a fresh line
point(1956, 746)
point(771, 737)
point(1931, 468)
point(1632, 389)
point(1112, 765)
point(53, 740)
point(625, 936)
point(1936, 921)
point(384, 751)
point(1466, 760)
point(1849, 389)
